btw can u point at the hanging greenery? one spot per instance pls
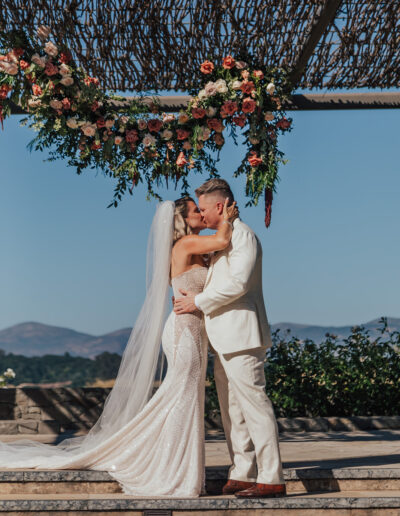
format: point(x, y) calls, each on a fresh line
point(77, 120)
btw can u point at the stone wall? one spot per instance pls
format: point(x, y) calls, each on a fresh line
point(43, 411)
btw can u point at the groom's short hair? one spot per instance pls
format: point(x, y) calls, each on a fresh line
point(217, 186)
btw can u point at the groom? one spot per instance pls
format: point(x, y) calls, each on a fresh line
point(238, 331)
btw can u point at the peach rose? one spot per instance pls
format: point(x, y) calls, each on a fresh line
point(228, 62)
point(215, 124)
point(142, 124)
point(118, 140)
point(186, 145)
point(248, 105)
point(268, 117)
point(254, 160)
point(245, 74)
point(88, 129)
point(65, 70)
point(181, 161)
point(39, 61)
point(67, 81)
point(247, 87)
point(51, 49)
point(253, 140)
point(34, 103)
point(167, 134)
point(9, 68)
point(205, 134)
point(182, 134)
point(109, 123)
point(72, 123)
point(183, 118)
point(198, 112)
point(154, 125)
point(56, 104)
point(199, 145)
point(43, 32)
point(219, 139)
point(211, 111)
point(240, 120)
point(207, 67)
point(258, 74)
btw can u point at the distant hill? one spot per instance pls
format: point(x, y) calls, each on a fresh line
point(36, 339)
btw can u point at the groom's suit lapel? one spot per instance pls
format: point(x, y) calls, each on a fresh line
point(214, 258)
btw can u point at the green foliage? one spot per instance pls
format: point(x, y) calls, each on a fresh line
point(60, 368)
point(356, 377)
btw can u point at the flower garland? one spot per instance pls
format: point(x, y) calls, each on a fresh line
point(78, 121)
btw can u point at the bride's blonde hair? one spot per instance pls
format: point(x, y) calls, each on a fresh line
point(181, 227)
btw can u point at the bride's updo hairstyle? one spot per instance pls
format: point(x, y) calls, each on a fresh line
point(181, 227)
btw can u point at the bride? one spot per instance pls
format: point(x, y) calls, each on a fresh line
point(153, 446)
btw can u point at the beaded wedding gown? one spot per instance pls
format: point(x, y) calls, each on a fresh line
point(160, 450)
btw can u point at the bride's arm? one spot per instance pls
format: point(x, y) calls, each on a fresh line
point(196, 244)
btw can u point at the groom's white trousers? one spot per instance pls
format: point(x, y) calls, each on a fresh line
point(248, 417)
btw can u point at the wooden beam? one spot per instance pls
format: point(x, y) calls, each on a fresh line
point(327, 14)
point(306, 102)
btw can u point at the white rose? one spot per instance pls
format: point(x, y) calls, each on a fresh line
point(202, 94)
point(51, 49)
point(210, 89)
point(236, 85)
point(109, 123)
point(9, 373)
point(271, 88)
point(118, 140)
point(168, 118)
point(67, 81)
point(211, 111)
point(167, 134)
point(149, 140)
point(121, 129)
point(88, 129)
point(72, 123)
point(142, 124)
point(268, 116)
point(43, 32)
point(221, 86)
point(64, 69)
point(56, 104)
point(39, 61)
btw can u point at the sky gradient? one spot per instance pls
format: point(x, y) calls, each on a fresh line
point(331, 255)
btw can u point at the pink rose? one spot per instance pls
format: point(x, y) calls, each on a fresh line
point(186, 145)
point(51, 69)
point(268, 117)
point(132, 136)
point(240, 120)
point(66, 103)
point(154, 125)
point(142, 124)
point(37, 90)
point(219, 139)
point(215, 124)
point(88, 129)
point(182, 134)
point(248, 105)
point(247, 87)
point(258, 74)
point(240, 65)
point(254, 160)
point(230, 107)
point(198, 112)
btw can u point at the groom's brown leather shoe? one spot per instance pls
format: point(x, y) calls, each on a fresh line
point(263, 491)
point(233, 486)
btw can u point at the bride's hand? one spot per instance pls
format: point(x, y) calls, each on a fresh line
point(231, 212)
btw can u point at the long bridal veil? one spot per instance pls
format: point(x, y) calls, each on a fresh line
point(134, 383)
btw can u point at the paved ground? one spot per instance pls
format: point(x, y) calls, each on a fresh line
point(375, 448)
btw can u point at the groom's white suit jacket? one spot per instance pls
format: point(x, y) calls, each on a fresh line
point(232, 299)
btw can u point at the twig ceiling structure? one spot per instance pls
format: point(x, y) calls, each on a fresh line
point(142, 45)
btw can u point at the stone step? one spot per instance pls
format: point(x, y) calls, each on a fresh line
point(353, 503)
point(307, 480)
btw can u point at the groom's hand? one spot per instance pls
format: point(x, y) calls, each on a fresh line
point(185, 304)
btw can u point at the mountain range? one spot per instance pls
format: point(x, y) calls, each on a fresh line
point(36, 339)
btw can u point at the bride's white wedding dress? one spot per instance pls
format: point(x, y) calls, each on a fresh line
point(154, 448)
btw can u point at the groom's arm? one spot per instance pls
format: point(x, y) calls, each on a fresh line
point(242, 260)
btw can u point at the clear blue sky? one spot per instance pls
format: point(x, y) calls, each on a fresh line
point(331, 255)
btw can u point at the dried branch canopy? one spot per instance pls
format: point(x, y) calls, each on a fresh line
point(159, 45)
